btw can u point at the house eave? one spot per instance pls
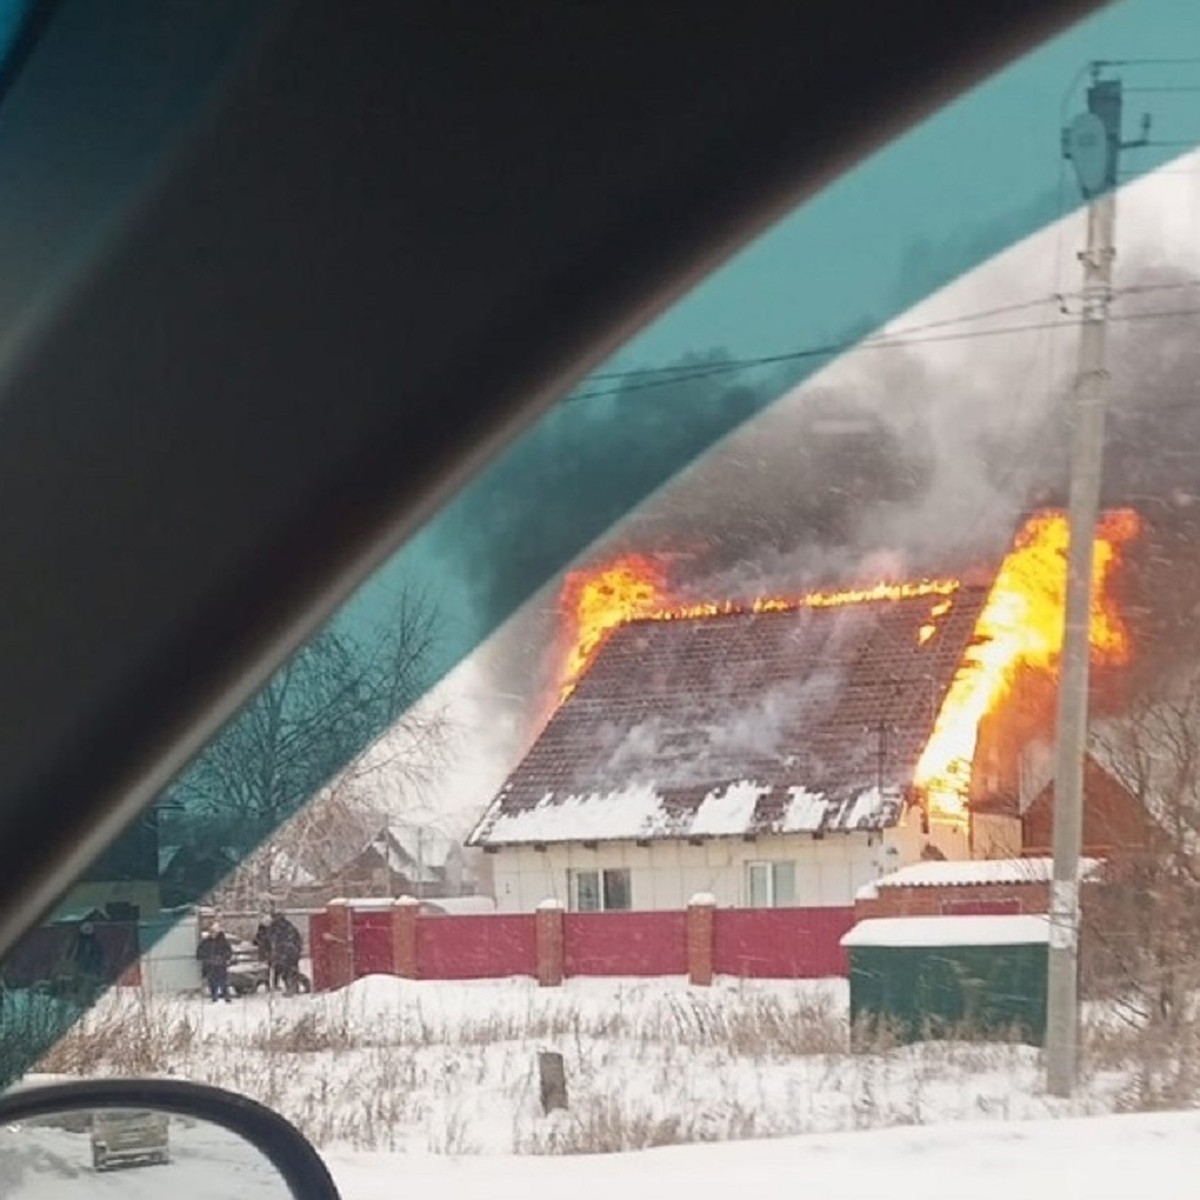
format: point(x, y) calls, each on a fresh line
point(644, 840)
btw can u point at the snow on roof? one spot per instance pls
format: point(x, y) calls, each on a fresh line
point(423, 843)
point(950, 931)
point(730, 811)
point(639, 813)
point(747, 723)
point(976, 872)
point(419, 853)
point(632, 813)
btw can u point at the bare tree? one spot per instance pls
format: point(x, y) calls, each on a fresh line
point(1142, 926)
point(296, 765)
point(332, 828)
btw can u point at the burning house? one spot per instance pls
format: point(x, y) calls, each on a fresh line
point(783, 752)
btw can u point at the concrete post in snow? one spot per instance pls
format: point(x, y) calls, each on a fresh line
point(404, 937)
point(549, 943)
point(552, 1076)
point(700, 911)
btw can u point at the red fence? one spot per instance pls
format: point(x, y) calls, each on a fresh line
point(372, 942)
point(475, 947)
point(780, 943)
point(625, 943)
point(318, 950)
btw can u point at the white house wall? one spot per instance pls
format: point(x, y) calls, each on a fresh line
point(666, 874)
point(169, 955)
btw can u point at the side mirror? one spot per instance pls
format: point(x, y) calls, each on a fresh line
point(197, 1143)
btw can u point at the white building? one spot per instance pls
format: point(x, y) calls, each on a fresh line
point(777, 871)
point(765, 758)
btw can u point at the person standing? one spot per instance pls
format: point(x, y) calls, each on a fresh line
point(89, 953)
point(214, 954)
point(86, 964)
point(262, 943)
point(286, 946)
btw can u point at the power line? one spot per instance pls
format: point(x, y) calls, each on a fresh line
point(680, 370)
point(1136, 289)
point(1147, 62)
point(881, 342)
point(984, 314)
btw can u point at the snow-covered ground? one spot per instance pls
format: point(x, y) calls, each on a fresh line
point(433, 1086)
point(1102, 1158)
point(451, 1069)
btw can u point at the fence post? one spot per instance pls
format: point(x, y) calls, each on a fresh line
point(404, 937)
point(341, 943)
point(700, 910)
point(548, 939)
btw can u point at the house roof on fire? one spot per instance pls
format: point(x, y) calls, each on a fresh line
point(802, 721)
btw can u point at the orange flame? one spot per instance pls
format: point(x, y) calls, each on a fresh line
point(634, 588)
point(1021, 625)
point(594, 602)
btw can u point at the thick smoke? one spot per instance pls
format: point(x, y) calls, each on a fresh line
point(916, 459)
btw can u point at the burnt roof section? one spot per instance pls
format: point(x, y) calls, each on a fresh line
point(750, 723)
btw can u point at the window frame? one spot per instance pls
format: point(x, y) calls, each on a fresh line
point(771, 868)
point(602, 892)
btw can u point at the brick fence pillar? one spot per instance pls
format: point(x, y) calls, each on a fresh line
point(700, 910)
point(404, 937)
point(549, 942)
point(341, 943)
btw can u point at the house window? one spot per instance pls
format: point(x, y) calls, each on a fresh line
point(600, 891)
point(770, 884)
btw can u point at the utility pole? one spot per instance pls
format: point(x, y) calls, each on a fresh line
point(1093, 144)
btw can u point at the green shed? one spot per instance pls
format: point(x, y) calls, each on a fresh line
point(978, 977)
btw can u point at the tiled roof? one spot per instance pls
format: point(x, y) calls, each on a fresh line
point(740, 724)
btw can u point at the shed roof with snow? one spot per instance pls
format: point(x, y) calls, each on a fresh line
point(803, 721)
point(950, 931)
point(982, 872)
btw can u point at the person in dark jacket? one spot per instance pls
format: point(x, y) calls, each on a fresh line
point(89, 953)
point(86, 963)
point(285, 947)
point(262, 943)
point(214, 953)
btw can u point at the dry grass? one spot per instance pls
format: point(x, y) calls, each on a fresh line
point(681, 1066)
point(1156, 1064)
